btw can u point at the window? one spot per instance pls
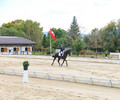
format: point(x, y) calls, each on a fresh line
point(29, 49)
point(5, 49)
point(17, 49)
point(2, 49)
point(14, 49)
point(26, 49)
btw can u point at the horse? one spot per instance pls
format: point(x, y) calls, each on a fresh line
point(66, 52)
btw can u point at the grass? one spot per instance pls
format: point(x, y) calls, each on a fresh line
point(101, 56)
point(36, 53)
point(40, 53)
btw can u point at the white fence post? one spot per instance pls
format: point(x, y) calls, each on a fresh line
point(91, 80)
point(110, 83)
point(48, 76)
point(35, 75)
point(62, 76)
point(14, 72)
point(3, 71)
point(73, 78)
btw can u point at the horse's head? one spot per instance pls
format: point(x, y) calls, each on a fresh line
point(68, 51)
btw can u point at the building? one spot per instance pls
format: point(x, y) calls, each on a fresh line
point(10, 45)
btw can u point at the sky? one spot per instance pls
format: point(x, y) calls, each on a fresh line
point(59, 13)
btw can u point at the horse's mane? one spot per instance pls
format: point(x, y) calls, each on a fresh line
point(68, 49)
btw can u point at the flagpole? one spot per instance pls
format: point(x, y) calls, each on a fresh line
point(50, 45)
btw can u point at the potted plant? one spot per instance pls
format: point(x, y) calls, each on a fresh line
point(25, 65)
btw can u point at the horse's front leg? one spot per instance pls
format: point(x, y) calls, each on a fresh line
point(66, 63)
point(53, 61)
point(62, 62)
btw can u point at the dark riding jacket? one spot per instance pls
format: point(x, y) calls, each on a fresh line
point(61, 49)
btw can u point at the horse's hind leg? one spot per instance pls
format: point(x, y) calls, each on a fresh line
point(53, 61)
point(58, 61)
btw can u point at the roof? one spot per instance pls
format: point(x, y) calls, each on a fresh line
point(14, 40)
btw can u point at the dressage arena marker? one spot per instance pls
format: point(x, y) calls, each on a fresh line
point(67, 78)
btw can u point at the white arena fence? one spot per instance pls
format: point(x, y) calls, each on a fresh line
point(62, 77)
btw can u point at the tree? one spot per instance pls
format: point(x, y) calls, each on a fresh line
point(118, 34)
point(86, 41)
point(95, 40)
point(78, 45)
point(74, 32)
point(11, 32)
point(111, 37)
point(14, 28)
point(44, 42)
point(34, 32)
point(105, 39)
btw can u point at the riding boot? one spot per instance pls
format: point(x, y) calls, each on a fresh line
point(61, 56)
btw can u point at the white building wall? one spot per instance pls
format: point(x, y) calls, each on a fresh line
point(23, 49)
point(10, 50)
point(30, 53)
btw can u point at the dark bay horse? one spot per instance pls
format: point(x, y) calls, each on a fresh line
point(66, 52)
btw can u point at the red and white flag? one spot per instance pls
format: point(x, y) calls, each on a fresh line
point(52, 33)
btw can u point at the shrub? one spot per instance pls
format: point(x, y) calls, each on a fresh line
point(25, 63)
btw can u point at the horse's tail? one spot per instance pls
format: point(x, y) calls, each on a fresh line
point(52, 55)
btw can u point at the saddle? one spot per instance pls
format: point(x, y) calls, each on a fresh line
point(60, 54)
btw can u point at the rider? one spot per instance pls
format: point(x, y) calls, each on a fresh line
point(61, 51)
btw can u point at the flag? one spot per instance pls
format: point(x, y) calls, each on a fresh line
point(52, 33)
